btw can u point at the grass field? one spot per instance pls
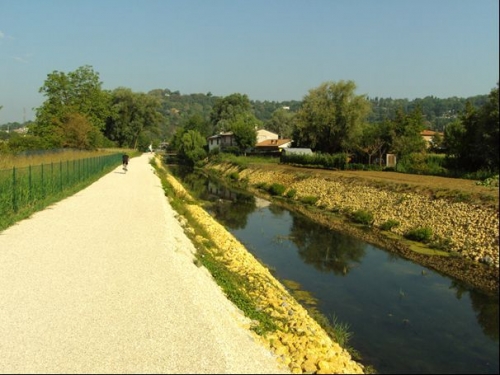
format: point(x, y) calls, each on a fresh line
point(8, 161)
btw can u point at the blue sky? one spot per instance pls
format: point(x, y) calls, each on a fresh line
point(267, 49)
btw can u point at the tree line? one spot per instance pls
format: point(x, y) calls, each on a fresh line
point(331, 118)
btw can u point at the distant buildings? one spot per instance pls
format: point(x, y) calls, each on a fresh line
point(428, 136)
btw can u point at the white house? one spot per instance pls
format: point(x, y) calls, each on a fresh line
point(226, 139)
point(264, 135)
point(221, 140)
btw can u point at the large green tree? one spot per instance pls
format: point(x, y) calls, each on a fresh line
point(331, 117)
point(77, 92)
point(454, 137)
point(132, 116)
point(244, 129)
point(405, 133)
point(373, 141)
point(198, 123)
point(472, 143)
point(194, 123)
point(282, 122)
point(487, 140)
point(226, 109)
point(191, 148)
point(76, 131)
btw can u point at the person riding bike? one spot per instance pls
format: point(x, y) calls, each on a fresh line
point(125, 158)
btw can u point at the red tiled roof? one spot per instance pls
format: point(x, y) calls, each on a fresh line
point(429, 133)
point(273, 142)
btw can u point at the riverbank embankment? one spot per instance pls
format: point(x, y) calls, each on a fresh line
point(299, 342)
point(468, 231)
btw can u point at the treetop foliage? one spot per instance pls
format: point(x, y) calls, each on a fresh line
point(331, 118)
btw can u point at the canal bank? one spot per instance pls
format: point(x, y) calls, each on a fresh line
point(469, 231)
point(397, 311)
point(300, 342)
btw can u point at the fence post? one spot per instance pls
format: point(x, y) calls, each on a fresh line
point(60, 176)
point(30, 192)
point(51, 177)
point(14, 198)
point(43, 183)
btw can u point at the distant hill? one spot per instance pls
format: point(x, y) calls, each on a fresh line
point(438, 112)
point(178, 108)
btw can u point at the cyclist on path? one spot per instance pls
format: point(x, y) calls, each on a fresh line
point(125, 158)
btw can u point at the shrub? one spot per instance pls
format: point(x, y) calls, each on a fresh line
point(276, 189)
point(462, 196)
point(336, 209)
point(490, 181)
point(234, 176)
point(291, 193)
point(232, 150)
point(261, 185)
point(441, 244)
point(215, 156)
point(329, 161)
point(423, 163)
point(389, 224)
point(423, 234)
point(309, 200)
point(362, 217)
point(356, 167)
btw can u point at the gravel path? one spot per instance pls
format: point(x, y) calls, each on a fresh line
point(104, 282)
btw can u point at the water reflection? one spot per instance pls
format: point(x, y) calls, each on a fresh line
point(486, 310)
point(405, 318)
point(225, 210)
point(327, 251)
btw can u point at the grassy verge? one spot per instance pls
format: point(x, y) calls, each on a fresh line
point(232, 284)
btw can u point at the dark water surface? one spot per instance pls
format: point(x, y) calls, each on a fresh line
point(404, 318)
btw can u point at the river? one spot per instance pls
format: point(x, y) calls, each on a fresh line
point(403, 318)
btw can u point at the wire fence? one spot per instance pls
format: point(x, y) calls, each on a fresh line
point(31, 186)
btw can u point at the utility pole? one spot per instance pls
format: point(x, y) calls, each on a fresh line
point(24, 115)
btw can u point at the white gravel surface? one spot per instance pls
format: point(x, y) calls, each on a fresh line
point(104, 282)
